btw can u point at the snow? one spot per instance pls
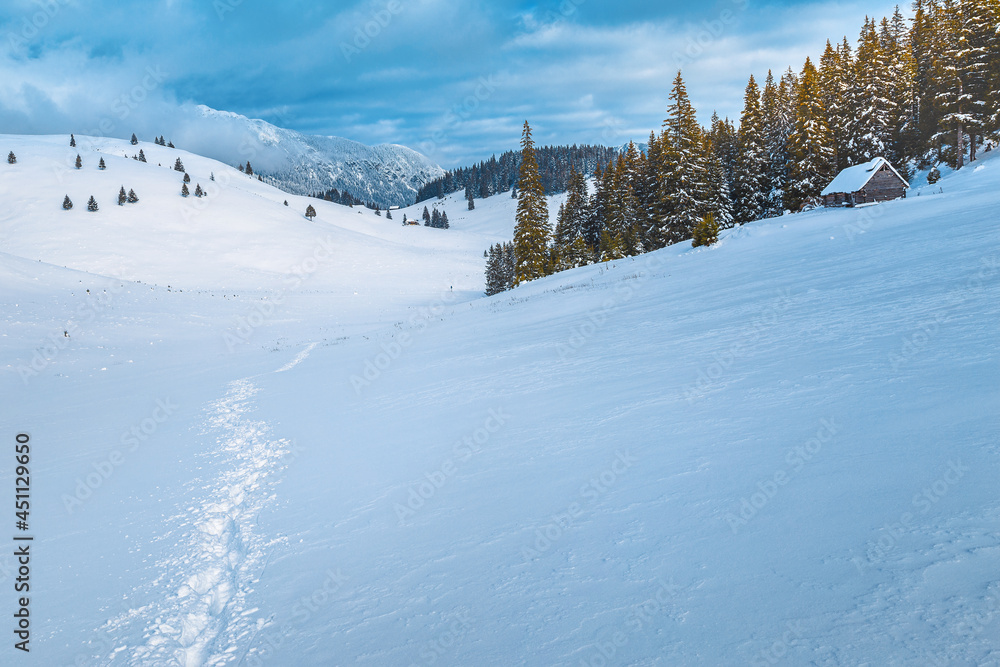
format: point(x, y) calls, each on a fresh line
point(781, 448)
point(853, 179)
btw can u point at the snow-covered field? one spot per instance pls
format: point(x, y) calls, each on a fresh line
point(267, 440)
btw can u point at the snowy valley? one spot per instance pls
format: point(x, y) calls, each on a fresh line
point(260, 439)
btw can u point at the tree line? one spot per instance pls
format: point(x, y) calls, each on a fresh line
point(921, 92)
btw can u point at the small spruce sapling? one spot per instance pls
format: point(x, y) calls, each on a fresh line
point(310, 212)
point(187, 179)
point(184, 190)
point(67, 203)
point(79, 162)
point(11, 158)
point(122, 197)
point(132, 197)
point(706, 232)
point(92, 204)
point(142, 156)
point(72, 141)
point(101, 165)
point(134, 140)
point(178, 165)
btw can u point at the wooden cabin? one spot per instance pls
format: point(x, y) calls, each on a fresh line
point(868, 183)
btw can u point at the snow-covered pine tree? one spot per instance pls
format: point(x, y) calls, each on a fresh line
point(426, 217)
point(187, 178)
point(132, 197)
point(11, 158)
point(532, 229)
point(836, 75)
point(101, 165)
point(122, 197)
point(435, 219)
point(79, 162)
point(249, 169)
point(870, 102)
point(752, 188)
point(719, 203)
point(570, 223)
point(509, 274)
point(198, 192)
point(67, 203)
point(684, 188)
point(977, 31)
point(92, 204)
point(469, 198)
point(142, 156)
point(810, 148)
point(310, 212)
point(178, 165)
point(72, 141)
point(494, 271)
point(184, 190)
point(444, 220)
point(593, 223)
point(134, 140)
point(777, 129)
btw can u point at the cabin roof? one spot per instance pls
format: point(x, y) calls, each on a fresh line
point(854, 179)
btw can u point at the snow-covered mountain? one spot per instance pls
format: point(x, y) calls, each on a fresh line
point(260, 439)
point(386, 174)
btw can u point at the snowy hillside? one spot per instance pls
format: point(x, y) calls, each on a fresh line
point(303, 164)
point(328, 449)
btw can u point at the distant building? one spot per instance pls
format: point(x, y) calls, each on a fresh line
point(868, 183)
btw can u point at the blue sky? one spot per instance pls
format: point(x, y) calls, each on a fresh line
point(454, 79)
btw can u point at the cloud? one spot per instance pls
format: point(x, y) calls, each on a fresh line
point(581, 71)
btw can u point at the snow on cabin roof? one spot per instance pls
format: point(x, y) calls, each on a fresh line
point(856, 178)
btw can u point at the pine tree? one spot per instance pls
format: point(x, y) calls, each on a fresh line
point(79, 162)
point(752, 188)
point(777, 129)
point(198, 192)
point(142, 156)
point(134, 140)
point(11, 158)
point(436, 219)
point(132, 197)
point(67, 203)
point(170, 144)
point(310, 212)
point(92, 204)
point(122, 197)
point(532, 229)
point(184, 190)
point(249, 169)
point(706, 232)
point(444, 220)
point(684, 189)
point(101, 165)
point(72, 141)
point(388, 214)
point(178, 165)
point(810, 148)
point(871, 103)
point(427, 217)
point(494, 271)
point(187, 178)
point(836, 75)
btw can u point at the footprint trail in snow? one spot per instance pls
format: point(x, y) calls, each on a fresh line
point(205, 619)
